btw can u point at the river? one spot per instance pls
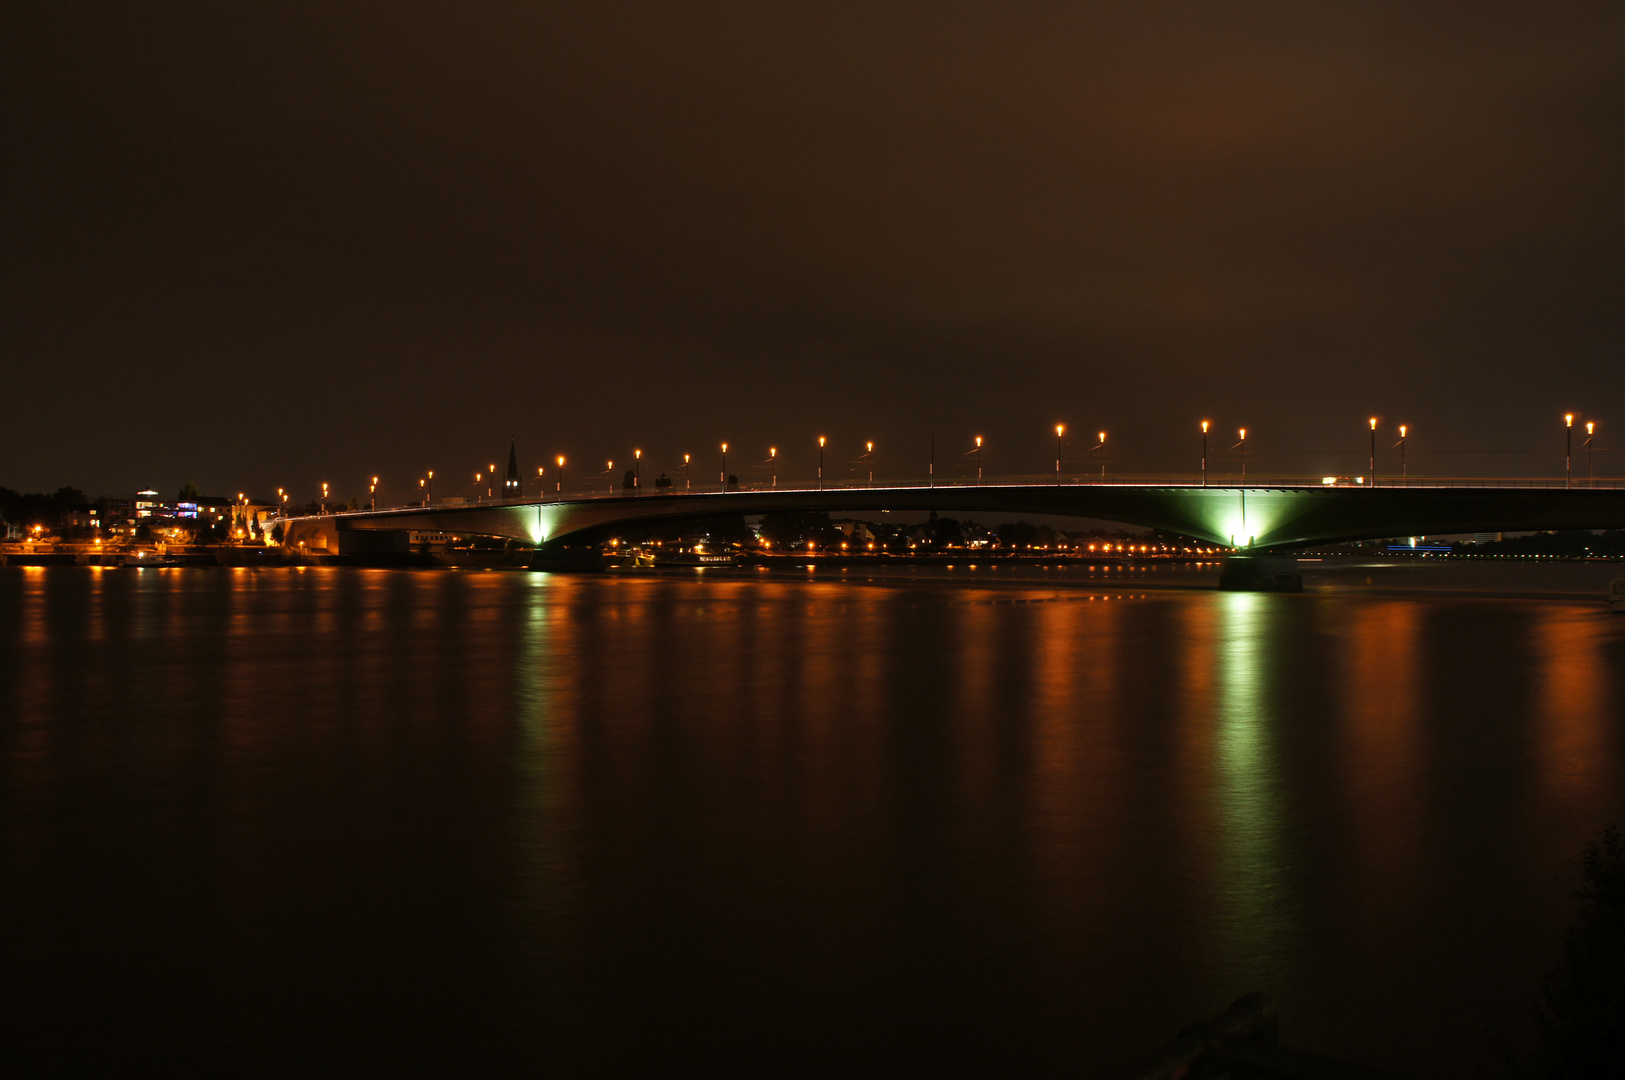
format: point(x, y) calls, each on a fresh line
point(345, 821)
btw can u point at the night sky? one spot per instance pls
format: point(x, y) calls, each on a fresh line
point(276, 244)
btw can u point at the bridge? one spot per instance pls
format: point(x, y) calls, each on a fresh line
point(1262, 517)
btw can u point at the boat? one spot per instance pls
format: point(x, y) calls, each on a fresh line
point(1616, 595)
point(696, 557)
point(143, 557)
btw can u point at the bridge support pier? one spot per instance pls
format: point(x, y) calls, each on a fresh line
point(567, 558)
point(1261, 573)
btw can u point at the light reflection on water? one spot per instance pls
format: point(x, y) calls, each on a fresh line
point(1246, 796)
point(477, 819)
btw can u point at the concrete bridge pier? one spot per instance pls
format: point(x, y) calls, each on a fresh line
point(1261, 573)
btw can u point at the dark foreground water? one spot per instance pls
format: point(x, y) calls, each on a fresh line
point(380, 822)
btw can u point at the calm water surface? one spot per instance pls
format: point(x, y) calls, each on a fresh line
point(345, 821)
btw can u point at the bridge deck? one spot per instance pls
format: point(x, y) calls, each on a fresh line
point(1265, 513)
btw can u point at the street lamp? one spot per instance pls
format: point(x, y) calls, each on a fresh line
point(1591, 429)
point(773, 464)
point(1373, 451)
point(609, 471)
point(978, 461)
point(477, 478)
point(492, 490)
point(561, 475)
point(820, 463)
point(1241, 445)
point(1404, 472)
point(1204, 453)
point(324, 498)
point(724, 466)
point(373, 491)
point(637, 472)
point(1568, 448)
point(1101, 446)
point(871, 456)
point(1060, 429)
point(431, 485)
point(686, 484)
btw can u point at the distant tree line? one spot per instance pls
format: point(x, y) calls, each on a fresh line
point(1569, 543)
point(38, 508)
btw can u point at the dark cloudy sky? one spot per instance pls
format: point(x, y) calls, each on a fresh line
point(255, 245)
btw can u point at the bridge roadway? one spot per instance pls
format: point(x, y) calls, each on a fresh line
point(1264, 516)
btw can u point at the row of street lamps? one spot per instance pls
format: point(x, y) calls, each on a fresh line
point(1568, 448)
point(426, 483)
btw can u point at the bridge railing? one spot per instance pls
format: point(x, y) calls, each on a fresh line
point(1180, 480)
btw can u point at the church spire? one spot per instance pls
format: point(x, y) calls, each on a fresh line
point(510, 485)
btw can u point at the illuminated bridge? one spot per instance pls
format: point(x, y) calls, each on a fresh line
point(1262, 517)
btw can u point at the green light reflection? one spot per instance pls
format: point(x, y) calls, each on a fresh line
point(1249, 887)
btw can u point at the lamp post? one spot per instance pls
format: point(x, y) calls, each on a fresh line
point(609, 471)
point(871, 457)
point(491, 491)
point(686, 483)
point(373, 491)
point(282, 502)
point(561, 476)
point(820, 463)
point(1373, 451)
point(978, 461)
point(1241, 445)
point(324, 498)
point(1060, 429)
point(423, 499)
point(477, 478)
point(541, 488)
point(431, 485)
point(1102, 448)
point(773, 465)
point(1204, 453)
point(1568, 448)
point(724, 466)
point(1404, 470)
point(637, 472)
point(1591, 429)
